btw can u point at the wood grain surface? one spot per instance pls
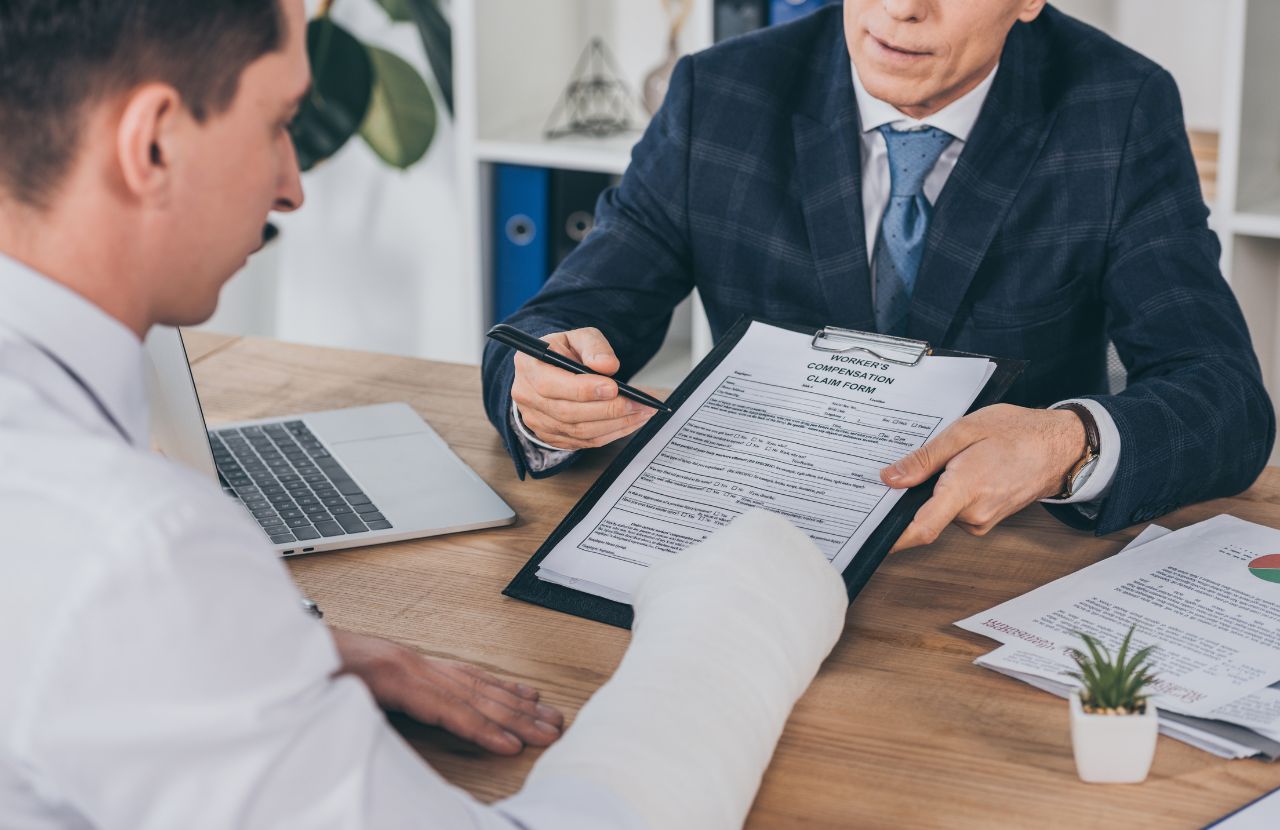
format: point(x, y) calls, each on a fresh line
point(899, 729)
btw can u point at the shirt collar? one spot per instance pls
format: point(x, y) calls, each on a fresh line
point(101, 350)
point(956, 118)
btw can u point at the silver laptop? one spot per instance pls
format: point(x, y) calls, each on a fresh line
point(324, 480)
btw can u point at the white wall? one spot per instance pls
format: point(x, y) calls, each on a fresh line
point(372, 259)
point(1186, 37)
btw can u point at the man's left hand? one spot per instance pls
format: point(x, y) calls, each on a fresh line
point(498, 715)
point(994, 463)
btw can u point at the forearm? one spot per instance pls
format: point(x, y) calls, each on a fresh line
point(727, 637)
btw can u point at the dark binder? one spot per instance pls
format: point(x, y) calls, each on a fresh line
point(522, 244)
point(526, 585)
point(737, 17)
point(573, 209)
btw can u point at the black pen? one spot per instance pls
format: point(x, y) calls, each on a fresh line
point(541, 350)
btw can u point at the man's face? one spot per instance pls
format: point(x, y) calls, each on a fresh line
point(920, 55)
point(233, 169)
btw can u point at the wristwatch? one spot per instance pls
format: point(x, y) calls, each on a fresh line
point(1079, 474)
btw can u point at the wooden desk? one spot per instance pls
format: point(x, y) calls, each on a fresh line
point(898, 730)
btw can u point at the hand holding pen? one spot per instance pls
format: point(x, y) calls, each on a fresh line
point(564, 393)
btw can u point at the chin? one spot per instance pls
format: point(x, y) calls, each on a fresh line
point(899, 86)
point(191, 313)
point(895, 91)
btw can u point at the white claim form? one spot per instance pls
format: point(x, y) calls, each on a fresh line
point(777, 425)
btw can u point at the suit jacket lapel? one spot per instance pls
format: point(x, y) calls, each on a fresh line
point(1004, 144)
point(826, 131)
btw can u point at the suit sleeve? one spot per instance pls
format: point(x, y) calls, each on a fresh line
point(630, 272)
point(1195, 421)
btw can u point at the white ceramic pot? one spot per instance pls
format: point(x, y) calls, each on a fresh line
point(1113, 749)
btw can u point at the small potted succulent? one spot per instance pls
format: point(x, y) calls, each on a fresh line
point(1113, 721)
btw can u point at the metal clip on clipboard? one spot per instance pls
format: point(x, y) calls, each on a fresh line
point(902, 351)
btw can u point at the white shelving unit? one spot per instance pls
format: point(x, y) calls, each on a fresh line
point(512, 60)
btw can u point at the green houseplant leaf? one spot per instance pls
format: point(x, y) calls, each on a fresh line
point(341, 88)
point(401, 121)
point(397, 10)
point(437, 38)
point(1112, 684)
point(372, 91)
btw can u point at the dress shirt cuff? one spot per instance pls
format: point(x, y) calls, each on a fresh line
point(538, 455)
point(1095, 489)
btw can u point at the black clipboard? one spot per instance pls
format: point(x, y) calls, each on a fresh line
point(526, 585)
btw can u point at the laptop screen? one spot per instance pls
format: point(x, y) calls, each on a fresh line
point(178, 428)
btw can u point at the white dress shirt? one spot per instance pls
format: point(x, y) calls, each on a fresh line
point(956, 119)
point(159, 671)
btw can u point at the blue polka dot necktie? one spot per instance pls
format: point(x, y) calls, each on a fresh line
point(900, 244)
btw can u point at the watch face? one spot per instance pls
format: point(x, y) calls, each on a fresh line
point(1079, 479)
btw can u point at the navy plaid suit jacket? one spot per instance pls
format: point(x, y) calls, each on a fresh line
point(1073, 216)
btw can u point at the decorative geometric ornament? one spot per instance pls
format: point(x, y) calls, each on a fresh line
point(597, 102)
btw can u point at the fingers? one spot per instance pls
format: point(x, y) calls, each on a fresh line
point(575, 411)
point(452, 713)
point(554, 383)
point(584, 435)
point(997, 461)
point(933, 517)
point(498, 715)
point(919, 466)
point(567, 412)
point(488, 688)
point(518, 689)
point(589, 347)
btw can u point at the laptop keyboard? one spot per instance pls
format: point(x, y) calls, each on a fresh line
point(290, 483)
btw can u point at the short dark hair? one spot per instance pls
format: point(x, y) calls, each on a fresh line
point(58, 56)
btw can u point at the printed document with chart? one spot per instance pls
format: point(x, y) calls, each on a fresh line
point(777, 425)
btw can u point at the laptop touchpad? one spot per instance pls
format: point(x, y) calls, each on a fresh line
point(416, 478)
point(359, 423)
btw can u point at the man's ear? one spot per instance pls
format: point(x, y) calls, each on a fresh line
point(148, 139)
point(1031, 10)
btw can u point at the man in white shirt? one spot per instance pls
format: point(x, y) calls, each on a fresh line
point(159, 670)
point(988, 176)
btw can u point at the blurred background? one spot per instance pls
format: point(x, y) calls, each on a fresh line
point(420, 261)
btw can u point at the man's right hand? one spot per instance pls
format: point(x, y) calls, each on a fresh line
point(575, 412)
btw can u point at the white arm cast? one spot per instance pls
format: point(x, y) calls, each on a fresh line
point(727, 636)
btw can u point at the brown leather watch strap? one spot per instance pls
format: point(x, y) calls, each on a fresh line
point(1091, 440)
point(1091, 446)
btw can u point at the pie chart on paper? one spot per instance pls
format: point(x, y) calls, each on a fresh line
point(1266, 567)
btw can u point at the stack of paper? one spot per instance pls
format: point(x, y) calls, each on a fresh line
point(1207, 597)
point(776, 425)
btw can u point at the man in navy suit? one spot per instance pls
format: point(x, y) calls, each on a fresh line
point(987, 175)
